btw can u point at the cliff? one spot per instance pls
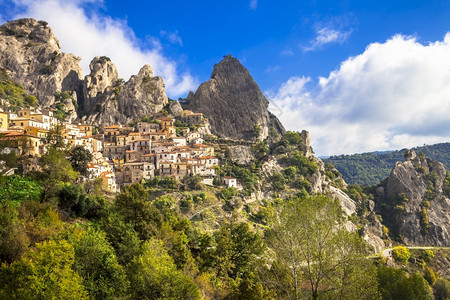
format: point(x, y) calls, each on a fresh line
point(233, 103)
point(109, 100)
point(31, 55)
point(415, 201)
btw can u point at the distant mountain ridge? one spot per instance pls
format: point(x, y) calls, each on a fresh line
point(373, 167)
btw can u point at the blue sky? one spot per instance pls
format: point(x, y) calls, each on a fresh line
point(359, 75)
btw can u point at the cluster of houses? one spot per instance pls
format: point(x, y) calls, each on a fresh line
point(122, 154)
point(153, 149)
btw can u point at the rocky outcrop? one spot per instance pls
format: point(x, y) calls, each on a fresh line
point(242, 154)
point(112, 101)
point(32, 56)
point(102, 79)
point(414, 202)
point(175, 109)
point(233, 103)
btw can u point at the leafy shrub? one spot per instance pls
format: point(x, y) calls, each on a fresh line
point(228, 193)
point(186, 204)
point(74, 200)
point(48, 69)
point(427, 255)
point(430, 275)
point(424, 221)
point(401, 254)
point(278, 182)
point(15, 189)
point(442, 289)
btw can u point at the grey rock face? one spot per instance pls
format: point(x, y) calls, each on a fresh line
point(115, 102)
point(103, 75)
point(233, 102)
point(413, 178)
point(175, 109)
point(242, 154)
point(32, 56)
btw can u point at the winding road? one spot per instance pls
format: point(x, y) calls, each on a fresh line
point(388, 252)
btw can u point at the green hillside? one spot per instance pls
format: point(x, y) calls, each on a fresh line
point(372, 168)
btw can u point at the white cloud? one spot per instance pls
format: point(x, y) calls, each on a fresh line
point(325, 36)
point(253, 4)
point(89, 35)
point(394, 95)
point(172, 37)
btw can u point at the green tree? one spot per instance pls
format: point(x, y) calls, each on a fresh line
point(55, 138)
point(133, 203)
point(43, 273)
point(122, 237)
point(236, 249)
point(56, 170)
point(153, 275)
point(96, 262)
point(442, 289)
point(323, 259)
point(401, 254)
point(79, 157)
point(430, 275)
point(396, 284)
point(13, 239)
point(228, 193)
point(74, 200)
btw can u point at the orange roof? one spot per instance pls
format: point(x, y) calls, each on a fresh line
point(129, 151)
point(201, 145)
point(134, 133)
point(14, 133)
point(150, 154)
point(228, 177)
point(105, 174)
point(207, 157)
point(111, 127)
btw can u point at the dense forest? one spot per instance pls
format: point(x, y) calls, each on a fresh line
point(372, 168)
point(61, 238)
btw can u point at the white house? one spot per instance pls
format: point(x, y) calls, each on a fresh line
point(230, 181)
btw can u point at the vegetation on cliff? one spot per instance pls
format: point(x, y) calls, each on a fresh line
point(372, 168)
point(183, 240)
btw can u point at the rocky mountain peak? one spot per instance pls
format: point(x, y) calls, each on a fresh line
point(146, 71)
point(38, 31)
point(31, 55)
point(111, 100)
point(103, 74)
point(233, 102)
point(415, 202)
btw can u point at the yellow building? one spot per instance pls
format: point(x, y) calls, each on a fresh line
point(85, 129)
point(26, 122)
point(209, 150)
point(166, 122)
point(27, 144)
point(185, 113)
point(4, 122)
point(38, 132)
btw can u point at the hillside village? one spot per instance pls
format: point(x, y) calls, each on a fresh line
point(122, 155)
